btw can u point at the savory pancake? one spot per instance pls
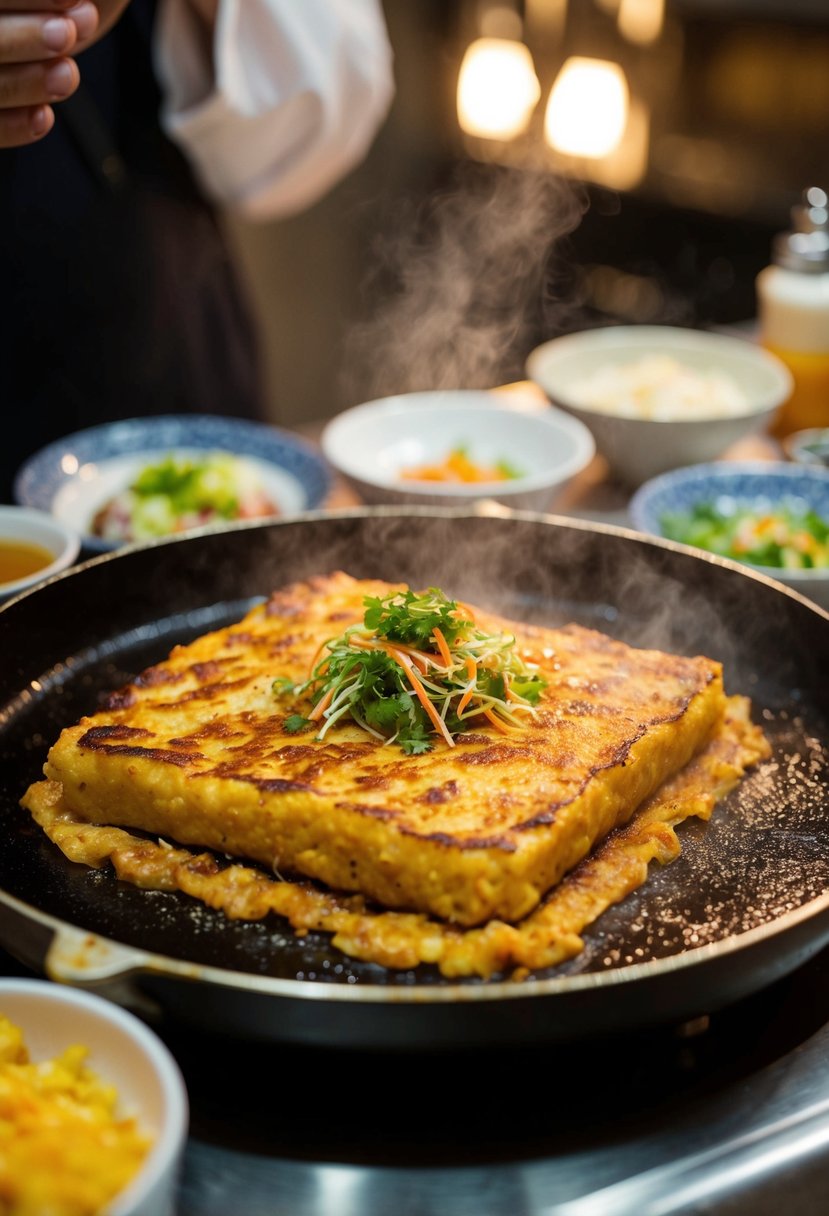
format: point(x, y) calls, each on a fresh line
point(549, 935)
point(217, 747)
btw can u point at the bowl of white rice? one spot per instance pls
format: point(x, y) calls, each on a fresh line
point(658, 397)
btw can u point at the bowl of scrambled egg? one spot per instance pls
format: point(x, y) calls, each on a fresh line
point(93, 1108)
point(658, 397)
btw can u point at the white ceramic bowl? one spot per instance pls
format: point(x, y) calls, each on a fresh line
point(760, 483)
point(808, 447)
point(639, 448)
point(124, 1052)
point(22, 525)
point(372, 443)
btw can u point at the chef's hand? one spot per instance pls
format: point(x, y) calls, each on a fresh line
point(38, 42)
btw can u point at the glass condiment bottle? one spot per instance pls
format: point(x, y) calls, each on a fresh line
point(793, 311)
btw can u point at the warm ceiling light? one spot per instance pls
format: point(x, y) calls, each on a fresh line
point(588, 108)
point(641, 21)
point(497, 88)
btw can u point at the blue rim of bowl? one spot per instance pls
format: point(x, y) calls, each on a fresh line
point(41, 476)
point(742, 480)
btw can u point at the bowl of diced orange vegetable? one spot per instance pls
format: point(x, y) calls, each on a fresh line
point(93, 1108)
point(453, 447)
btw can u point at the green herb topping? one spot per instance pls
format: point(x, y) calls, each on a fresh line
point(418, 666)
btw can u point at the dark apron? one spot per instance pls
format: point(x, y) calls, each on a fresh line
point(117, 296)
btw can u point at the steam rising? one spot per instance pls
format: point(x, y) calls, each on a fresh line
point(463, 285)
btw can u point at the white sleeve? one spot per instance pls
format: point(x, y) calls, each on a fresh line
point(292, 101)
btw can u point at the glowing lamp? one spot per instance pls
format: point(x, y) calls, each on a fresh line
point(497, 88)
point(588, 108)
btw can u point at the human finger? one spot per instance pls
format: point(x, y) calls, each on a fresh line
point(86, 19)
point(26, 38)
point(25, 125)
point(35, 84)
point(107, 12)
point(34, 6)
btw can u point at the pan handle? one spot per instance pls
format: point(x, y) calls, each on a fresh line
point(83, 959)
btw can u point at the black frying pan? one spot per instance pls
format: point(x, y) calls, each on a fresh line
point(746, 902)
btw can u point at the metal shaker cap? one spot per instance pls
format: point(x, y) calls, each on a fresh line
point(806, 247)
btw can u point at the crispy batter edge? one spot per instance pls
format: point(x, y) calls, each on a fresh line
point(546, 937)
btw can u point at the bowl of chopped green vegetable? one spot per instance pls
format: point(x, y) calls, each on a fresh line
point(141, 478)
point(772, 516)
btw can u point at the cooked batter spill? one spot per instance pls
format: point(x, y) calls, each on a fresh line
point(455, 856)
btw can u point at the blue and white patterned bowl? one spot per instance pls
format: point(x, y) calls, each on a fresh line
point(74, 476)
point(763, 484)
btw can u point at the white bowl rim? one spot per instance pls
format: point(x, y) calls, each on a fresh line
point(776, 468)
point(171, 1135)
point(794, 444)
point(67, 537)
point(462, 401)
point(669, 337)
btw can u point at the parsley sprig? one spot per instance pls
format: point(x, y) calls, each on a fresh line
point(418, 666)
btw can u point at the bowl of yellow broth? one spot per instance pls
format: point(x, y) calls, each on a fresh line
point(33, 547)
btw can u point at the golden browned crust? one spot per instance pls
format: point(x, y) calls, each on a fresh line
point(196, 749)
point(546, 937)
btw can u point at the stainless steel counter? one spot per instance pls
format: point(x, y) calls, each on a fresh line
point(721, 1117)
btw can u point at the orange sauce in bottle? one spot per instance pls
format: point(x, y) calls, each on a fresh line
point(808, 406)
point(793, 312)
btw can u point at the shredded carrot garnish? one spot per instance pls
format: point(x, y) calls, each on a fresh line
point(419, 665)
point(316, 659)
point(440, 642)
point(472, 672)
point(413, 657)
point(496, 721)
point(321, 706)
point(420, 660)
point(422, 695)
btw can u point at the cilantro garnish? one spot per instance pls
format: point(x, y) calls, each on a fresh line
point(419, 666)
point(410, 618)
point(295, 723)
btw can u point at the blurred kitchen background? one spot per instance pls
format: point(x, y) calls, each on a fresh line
point(547, 165)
